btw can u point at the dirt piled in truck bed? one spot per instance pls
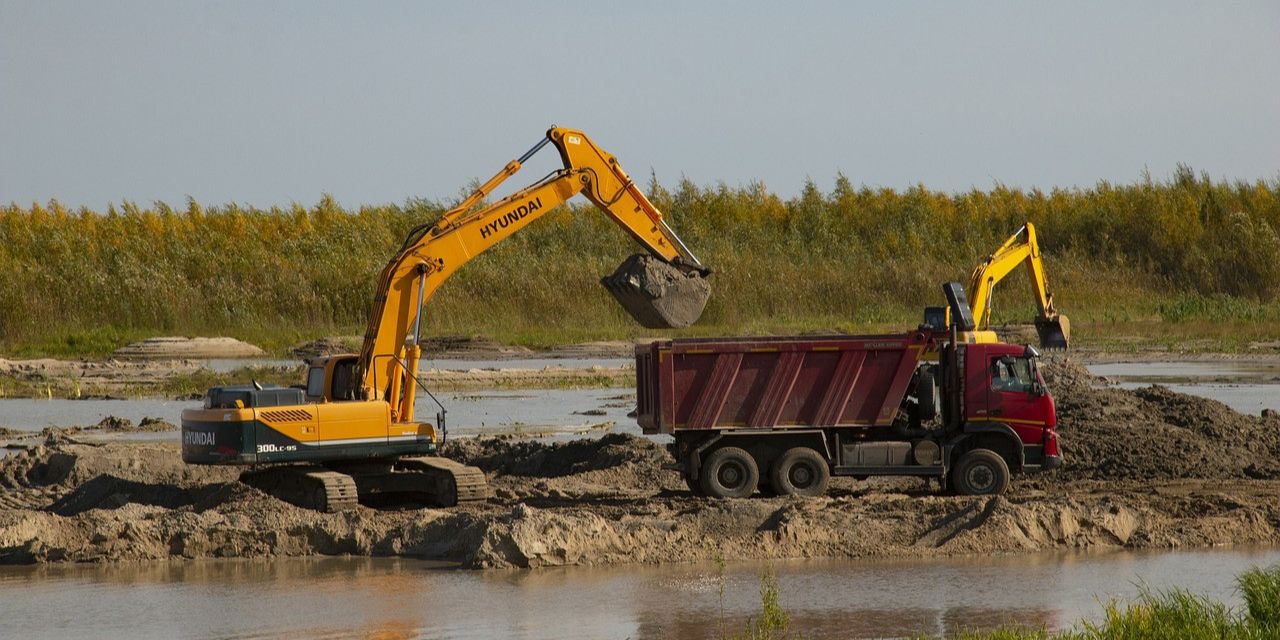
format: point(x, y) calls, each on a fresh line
point(1145, 469)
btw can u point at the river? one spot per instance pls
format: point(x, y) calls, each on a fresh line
point(401, 598)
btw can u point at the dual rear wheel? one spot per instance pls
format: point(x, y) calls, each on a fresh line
point(732, 472)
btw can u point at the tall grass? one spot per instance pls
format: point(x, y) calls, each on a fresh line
point(1176, 613)
point(1185, 249)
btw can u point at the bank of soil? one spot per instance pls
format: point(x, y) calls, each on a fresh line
point(1145, 469)
point(178, 347)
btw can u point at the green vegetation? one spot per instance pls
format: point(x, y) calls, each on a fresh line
point(1182, 258)
point(1176, 613)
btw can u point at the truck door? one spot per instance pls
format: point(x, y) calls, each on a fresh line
point(1015, 397)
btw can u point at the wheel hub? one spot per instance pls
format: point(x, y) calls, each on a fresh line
point(980, 477)
point(731, 475)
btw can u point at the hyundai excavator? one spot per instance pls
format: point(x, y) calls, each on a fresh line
point(350, 433)
point(1053, 328)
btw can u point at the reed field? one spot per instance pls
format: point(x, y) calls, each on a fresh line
point(1184, 259)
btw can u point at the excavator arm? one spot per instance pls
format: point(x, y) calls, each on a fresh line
point(1020, 249)
point(433, 252)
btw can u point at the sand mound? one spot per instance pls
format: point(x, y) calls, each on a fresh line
point(180, 347)
point(326, 347)
point(526, 458)
point(1154, 433)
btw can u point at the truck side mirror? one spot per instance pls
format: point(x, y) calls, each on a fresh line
point(1037, 389)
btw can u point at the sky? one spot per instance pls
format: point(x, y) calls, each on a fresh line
point(270, 103)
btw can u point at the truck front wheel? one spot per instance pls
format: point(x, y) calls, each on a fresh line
point(800, 471)
point(729, 472)
point(981, 472)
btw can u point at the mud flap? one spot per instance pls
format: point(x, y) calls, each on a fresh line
point(657, 294)
point(1055, 332)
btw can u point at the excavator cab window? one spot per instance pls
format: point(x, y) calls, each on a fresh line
point(315, 382)
point(344, 372)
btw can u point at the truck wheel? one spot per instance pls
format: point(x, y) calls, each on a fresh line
point(981, 472)
point(927, 395)
point(800, 471)
point(729, 472)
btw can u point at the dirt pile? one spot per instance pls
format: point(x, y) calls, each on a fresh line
point(1154, 433)
point(113, 424)
point(330, 346)
point(174, 347)
point(658, 295)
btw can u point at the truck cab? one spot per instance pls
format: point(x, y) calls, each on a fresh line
point(1006, 391)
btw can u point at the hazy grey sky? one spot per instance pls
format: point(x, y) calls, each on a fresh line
point(373, 102)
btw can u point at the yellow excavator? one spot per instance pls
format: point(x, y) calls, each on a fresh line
point(350, 432)
point(1053, 328)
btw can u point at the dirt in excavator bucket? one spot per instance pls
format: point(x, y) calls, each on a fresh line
point(1054, 333)
point(657, 294)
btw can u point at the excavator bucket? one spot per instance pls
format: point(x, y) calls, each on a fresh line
point(1055, 332)
point(657, 294)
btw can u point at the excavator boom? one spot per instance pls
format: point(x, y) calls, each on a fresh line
point(666, 289)
point(1021, 248)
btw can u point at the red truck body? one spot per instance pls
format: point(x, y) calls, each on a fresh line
point(864, 405)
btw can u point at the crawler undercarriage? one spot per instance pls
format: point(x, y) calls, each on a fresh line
point(427, 480)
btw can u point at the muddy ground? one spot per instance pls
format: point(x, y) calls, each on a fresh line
point(1145, 469)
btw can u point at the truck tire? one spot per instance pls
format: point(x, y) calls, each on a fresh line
point(980, 472)
point(729, 472)
point(800, 471)
point(927, 395)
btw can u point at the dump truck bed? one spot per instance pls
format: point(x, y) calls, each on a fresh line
point(775, 383)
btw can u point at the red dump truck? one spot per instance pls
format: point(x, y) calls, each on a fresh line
point(785, 414)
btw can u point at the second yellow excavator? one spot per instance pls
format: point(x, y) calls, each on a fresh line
point(350, 431)
point(1021, 248)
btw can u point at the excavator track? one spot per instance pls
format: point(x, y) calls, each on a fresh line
point(308, 487)
point(455, 483)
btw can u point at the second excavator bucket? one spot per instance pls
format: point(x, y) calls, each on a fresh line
point(1055, 332)
point(657, 294)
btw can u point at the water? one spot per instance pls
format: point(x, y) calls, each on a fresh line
point(1247, 387)
point(558, 411)
point(224, 365)
point(398, 598)
point(1163, 371)
point(562, 412)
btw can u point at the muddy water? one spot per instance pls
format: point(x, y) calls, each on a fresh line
point(1247, 387)
point(405, 598)
point(530, 412)
point(224, 365)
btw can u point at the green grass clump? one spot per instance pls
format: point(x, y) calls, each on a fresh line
point(1173, 614)
point(1173, 257)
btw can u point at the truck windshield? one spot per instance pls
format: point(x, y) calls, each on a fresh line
point(1012, 374)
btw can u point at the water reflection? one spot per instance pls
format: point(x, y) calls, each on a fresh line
point(401, 598)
